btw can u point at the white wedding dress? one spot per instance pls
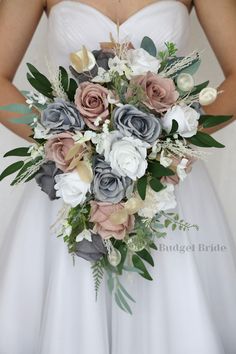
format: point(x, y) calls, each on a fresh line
point(47, 305)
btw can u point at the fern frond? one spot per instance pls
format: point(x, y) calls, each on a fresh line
point(98, 273)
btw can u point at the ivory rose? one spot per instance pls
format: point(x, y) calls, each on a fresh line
point(92, 102)
point(100, 215)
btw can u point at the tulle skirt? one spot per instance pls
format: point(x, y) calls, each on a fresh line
point(48, 306)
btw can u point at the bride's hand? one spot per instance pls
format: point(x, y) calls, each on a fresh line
point(18, 21)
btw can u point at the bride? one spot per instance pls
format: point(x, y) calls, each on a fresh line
point(47, 305)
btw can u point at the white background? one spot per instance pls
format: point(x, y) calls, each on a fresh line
point(221, 164)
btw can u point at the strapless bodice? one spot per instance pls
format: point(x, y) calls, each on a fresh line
point(72, 24)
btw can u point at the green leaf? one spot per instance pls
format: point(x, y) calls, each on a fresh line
point(64, 79)
point(198, 88)
point(18, 152)
point(157, 170)
point(110, 283)
point(72, 89)
point(138, 263)
point(43, 80)
point(16, 108)
point(174, 128)
point(174, 227)
point(193, 68)
point(11, 169)
point(148, 44)
point(208, 121)
point(26, 119)
point(39, 87)
point(123, 301)
point(146, 256)
point(204, 140)
point(119, 303)
point(153, 246)
point(167, 223)
point(123, 251)
point(125, 292)
point(156, 185)
point(142, 187)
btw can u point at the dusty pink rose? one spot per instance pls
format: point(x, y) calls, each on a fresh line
point(58, 147)
point(175, 178)
point(91, 101)
point(160, 92)
point(100, 215)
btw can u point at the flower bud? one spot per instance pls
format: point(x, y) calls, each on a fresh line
point(207, 96)
point(185, 82)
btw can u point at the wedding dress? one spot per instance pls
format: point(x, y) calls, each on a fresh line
point(47, 305)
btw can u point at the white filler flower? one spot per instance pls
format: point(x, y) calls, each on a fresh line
point(140, 61)
point(186, 117)
point(158, 201)
point(128, 157)
point(71, 188)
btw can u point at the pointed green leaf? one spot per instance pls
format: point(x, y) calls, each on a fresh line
point(208, 121)
point(119, 303)
point(11, 169)
point(64, 78)
point(204, 140)
point(156, 185)
point(146, 256)
point(138, 263)
point(142, 187)
point(198, 88)
point(157, 170)
point(72, 89)
point(18, 152)
point(43, 80)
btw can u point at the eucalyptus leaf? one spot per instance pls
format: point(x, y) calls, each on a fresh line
point(123, 301)
point(148, 44)
point(16, 108)
point(26, 119)
point(125, 292)
point(119, 303)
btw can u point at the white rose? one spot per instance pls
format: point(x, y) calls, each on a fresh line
point(128, 157)
point(140, 61)
point(207, 96)
point(158, 201)
point(104, 141)
point(71, 188)
point(186, 117)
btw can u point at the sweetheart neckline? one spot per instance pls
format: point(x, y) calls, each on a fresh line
point(107, 18)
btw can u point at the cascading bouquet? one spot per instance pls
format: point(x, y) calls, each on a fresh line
point(112, 139)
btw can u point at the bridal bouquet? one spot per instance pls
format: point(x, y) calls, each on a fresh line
point(113, 137)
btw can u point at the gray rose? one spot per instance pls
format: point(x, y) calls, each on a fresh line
point(130, 121)
point(107, 185)
point(91, 251)
point(45, 178)
point(102, 58)
point(60, 116)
